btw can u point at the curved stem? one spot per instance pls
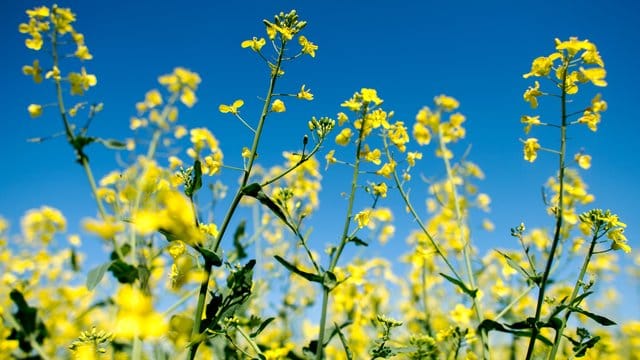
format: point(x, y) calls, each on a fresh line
point(418, 220)
point(466, 249)
point(204, 285)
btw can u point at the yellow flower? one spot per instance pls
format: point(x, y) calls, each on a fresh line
point(592, 119)
point(398, 135)
point(80, 82)
point(34, 70)
point(136, 316)
point(531, 95)
point(447, 103)
point(278, 106)
point(38, 12)
point(53, 73)
point(461, 315)
point(363, 218)
point(573, 45)
point(412, 156)
point(531, 148)
point(529, 121)
point(83, 53)
point(246, 153)
point(233, 108)
point(35, 43)
point(330, 157)
point(307, 46)
point(105, 229)
point(35, 110)
point(62, 19)
point(584, 161)
point(201, 137)
point(373, 156)
point(619, 241)
point(370, 96)
point(344, 137)
point(188, 97)
point(284, 32)
point(387, 169)
point(380, 189)
point(305, 94)
point(421, 133)
point(255, 44)
point(595, 75)
point(43, 223)
point(542, 65)
point(342, 118)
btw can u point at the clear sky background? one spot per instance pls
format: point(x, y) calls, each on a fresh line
point(475, 51)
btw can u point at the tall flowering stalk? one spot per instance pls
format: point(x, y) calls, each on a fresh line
point(574, 62)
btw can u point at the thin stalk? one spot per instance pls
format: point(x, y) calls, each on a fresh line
point(535, 331)
point(204, 285)
point(416, 218)
point(514, 301)
point(151, 151)
point(248, 339)
point(69, 132)
point(574, 294)
point(466, 249)
point(197, 320)
point(344, 238)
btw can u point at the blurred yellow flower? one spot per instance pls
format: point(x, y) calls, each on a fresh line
point(35, 110)
point(531, 148)
point(278, 106)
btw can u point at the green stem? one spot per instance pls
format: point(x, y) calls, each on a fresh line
point(574, 294)
point(252, 343)
point(197, 320)
point(535, 331)
point(204, 285)
point(418, 220)
point(344, 238)
point(466, 249)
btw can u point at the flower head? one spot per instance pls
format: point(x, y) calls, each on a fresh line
point(531, 148)
point(233, 108)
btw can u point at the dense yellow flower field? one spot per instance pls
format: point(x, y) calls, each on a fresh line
point(187, 280)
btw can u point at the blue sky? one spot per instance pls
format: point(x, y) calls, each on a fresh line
point(475, 51)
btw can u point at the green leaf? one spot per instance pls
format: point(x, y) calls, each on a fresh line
point(96, 274)
point(237, 237)
point(255, 191)
point(597, 318)
point(112, 144)
point(309, 276)
point(581, 297)
point(359, 242)
point(196, 181)
point(209, 256)
point(31, 327)
point(170, 236)
point(461, 285)
point(240, 281)
point(329, 280)
point(343, 340)
point(515, 266)
point(262, 326)
point(488, 325)
point(125, 273)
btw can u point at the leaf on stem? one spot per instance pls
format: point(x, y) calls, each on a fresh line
point(309, 276)
point(96, 274)
point(461, 285)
